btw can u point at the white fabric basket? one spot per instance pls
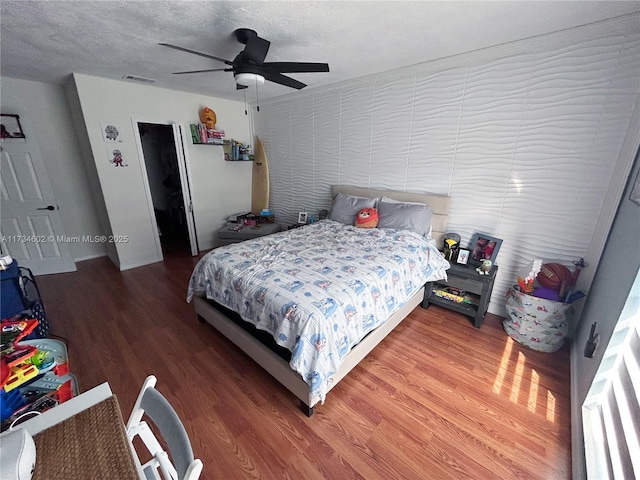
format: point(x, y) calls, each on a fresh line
point(538, 323)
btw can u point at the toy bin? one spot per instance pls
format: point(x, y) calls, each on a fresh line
point(538, 323)
point(11, 302)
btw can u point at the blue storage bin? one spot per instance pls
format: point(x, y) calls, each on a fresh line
point(20, 295)
point(10, 402)
point(11, 301)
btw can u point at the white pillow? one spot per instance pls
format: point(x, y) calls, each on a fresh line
point(346, 207)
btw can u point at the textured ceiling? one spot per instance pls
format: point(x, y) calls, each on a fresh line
point(47, 40)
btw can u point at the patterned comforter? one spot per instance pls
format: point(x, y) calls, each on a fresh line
point(319, 289)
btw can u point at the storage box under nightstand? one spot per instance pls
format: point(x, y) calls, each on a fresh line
point(228, 235)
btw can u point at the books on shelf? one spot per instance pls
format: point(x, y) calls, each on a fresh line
point(234, 151)
point(455, 295)
point(201, 134)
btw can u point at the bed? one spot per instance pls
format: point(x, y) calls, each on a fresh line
point(309, 304)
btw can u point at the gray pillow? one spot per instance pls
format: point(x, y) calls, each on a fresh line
point(406, 216)
point(346, 207)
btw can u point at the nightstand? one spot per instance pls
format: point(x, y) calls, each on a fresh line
point(228, 235)
point(465, 291)
point(294, 225)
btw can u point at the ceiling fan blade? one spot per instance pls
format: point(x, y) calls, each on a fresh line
point(256, 50)
point(202, 71)
point(283, 80)
point(297, 67)
point(206, 55)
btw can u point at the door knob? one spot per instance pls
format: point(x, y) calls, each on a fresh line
point(50, 208)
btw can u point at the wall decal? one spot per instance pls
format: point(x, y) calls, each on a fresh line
point(116, 157)
point(111, 133)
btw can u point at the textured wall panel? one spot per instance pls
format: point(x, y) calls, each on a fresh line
point(303, 180)
point(391, 133)
point(437, 110)
point(526, 145)
point(327, 132)
point(326, 150)
point(356, 121)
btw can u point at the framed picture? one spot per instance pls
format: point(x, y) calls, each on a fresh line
point(484, 247)
point(10, 126)
point(463, 256)
point(302, 217)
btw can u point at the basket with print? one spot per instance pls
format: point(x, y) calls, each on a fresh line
point(538, 323)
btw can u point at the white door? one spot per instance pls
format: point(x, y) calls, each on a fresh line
point(186, 188)
point(30, 228)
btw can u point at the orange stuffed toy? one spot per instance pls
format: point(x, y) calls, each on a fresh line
point(208, 117)
point(367, 218)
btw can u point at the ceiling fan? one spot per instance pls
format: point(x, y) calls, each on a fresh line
point(249, 67)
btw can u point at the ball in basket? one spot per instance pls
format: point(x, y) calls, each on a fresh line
point(552, 275)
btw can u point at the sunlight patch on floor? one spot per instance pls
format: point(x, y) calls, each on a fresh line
point(533, 391)
point(517, 379)
point(504, 365)
point(522, 375)
point(551, 407)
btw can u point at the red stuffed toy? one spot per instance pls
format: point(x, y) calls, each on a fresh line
point(367, 218)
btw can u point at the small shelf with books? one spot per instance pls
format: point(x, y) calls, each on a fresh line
point(236, 151)
point(455, 295)
point(465, 291)
point(233, 149)
point(201, 135)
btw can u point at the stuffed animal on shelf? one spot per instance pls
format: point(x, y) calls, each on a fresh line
point(208, 117)
point(485, 267)
point(367, 218)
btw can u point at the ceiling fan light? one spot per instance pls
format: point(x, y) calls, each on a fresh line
point(248, 79)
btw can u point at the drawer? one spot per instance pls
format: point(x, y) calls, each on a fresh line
point(467, 284)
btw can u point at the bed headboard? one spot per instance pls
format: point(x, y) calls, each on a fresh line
point(438, 203)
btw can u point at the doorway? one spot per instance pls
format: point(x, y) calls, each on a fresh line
point(166, 186)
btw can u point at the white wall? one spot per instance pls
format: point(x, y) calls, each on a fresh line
point(46, 105)
point(219, 188)
point(527, 138)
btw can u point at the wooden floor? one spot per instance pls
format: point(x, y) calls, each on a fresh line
point(436, 399)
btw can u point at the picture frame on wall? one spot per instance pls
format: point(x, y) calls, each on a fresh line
point(302, 217)
point(463, 256)
point(10, 126)
point(484, 247)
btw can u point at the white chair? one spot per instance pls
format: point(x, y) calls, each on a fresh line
point(151, 403)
